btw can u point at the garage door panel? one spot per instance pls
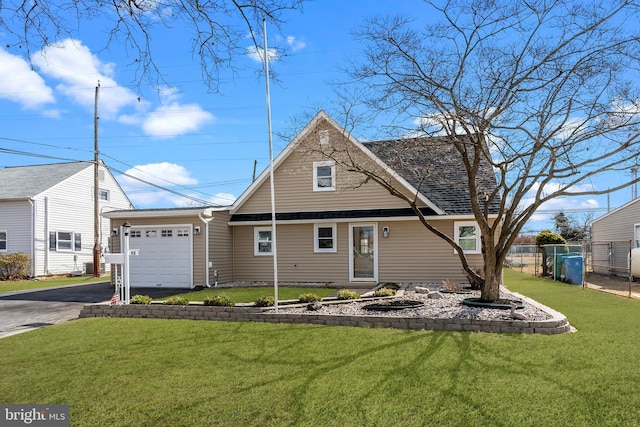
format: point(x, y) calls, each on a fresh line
point(164, 259)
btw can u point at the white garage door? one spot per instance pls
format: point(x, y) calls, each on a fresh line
point(165, 257)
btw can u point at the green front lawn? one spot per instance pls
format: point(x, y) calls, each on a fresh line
point(142, 372)
point(246, 295)
point(23, 285)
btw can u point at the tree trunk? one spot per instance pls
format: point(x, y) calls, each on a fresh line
point(490, 289)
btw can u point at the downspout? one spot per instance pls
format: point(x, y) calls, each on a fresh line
point(206, 249)
point(34, 269)
point(45, 269)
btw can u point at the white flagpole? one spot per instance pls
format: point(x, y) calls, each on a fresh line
point(273, 197)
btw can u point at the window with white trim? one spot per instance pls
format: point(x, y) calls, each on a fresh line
point(467, 236)
point(324, 176)
point(263, 241)
point(65, 241)
point(3, 240)
point(103, 195)
point(325, 238)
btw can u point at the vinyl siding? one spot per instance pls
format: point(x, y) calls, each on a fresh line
point(15, 219)
point(220, 247)
point(294, 185)
point(410, 254)
point(68, 206)
point(617, 225)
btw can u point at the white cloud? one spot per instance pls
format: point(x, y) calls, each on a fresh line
point(548, 209)
point(19, 83)
point(163, 174)
point(174, 119)
point(257, 54)
point(295, 44)
point(79, 72)
point(223, 199)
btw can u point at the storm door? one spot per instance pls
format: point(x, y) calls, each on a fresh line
point(363, 265)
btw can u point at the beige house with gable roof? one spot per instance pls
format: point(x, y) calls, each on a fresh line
point(335, 226)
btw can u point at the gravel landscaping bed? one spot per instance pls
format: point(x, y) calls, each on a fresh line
point(446, 305)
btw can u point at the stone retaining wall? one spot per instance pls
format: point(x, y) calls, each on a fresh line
point(557, 325)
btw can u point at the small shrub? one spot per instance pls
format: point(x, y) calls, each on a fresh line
point(140, 299)
point(310, 297)
point(176, 300)
point(13, 266)
point(451, 285)
point(265, 301)
point(347, 294)
point(393, 286)
point(384, 292)
point(219, 300)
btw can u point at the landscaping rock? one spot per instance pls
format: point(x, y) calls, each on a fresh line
point(435, 295)
point(314, 306)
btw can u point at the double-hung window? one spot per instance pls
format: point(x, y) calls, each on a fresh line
point(325, 238)
point(3, 240)
point(324, 176)
point(263, 241)
point(467, 236)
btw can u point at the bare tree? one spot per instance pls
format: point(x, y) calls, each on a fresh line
point(217, 26)
point(542, 90)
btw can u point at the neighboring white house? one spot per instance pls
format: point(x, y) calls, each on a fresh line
point(47, 211)
point(613, 236)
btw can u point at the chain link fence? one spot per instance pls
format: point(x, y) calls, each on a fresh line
point(611, 258)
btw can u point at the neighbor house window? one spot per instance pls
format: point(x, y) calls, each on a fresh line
point(325, 238)
point(65, 241)
point(103, 195)
point(324, 176)
point(467, 235)
point(3, 241)
point(263, 241)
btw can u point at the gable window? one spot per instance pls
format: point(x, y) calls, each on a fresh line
point(325, 238)
point(467, 235)
point(324, 176)
point(65, 241)
point(3, 240)
point(263, 242)
point(103, 195)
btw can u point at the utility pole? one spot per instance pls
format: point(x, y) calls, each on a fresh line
point(96, 191)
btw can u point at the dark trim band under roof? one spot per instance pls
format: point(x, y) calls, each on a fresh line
point(345, 214)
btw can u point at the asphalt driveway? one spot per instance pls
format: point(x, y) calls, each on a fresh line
point(21, 311)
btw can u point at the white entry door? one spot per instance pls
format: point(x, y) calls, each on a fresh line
point(164, 259)
point(363, 263)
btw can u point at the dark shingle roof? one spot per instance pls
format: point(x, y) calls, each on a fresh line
point(432, 165)
point(23, 182)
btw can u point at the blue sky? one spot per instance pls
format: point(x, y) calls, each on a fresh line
point(185, 137)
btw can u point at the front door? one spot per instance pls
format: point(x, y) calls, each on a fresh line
point(363, 265)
